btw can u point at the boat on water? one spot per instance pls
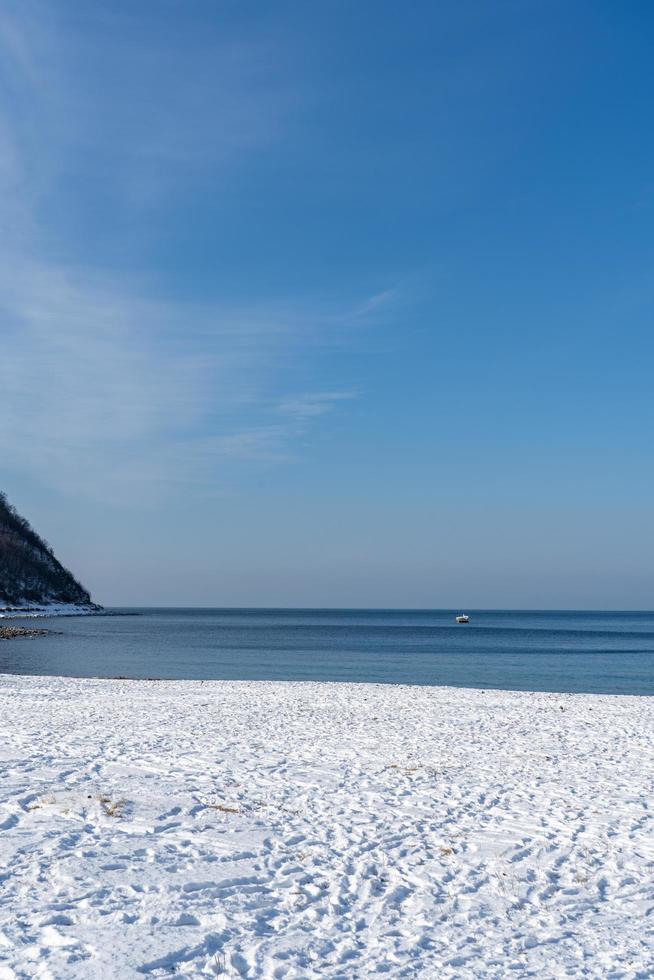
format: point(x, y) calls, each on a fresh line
point(463, 618)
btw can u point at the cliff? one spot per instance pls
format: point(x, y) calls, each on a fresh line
point(30, 575)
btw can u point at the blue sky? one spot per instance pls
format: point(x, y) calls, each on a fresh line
point(331, 303)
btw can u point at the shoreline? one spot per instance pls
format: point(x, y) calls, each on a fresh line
point(54, 611)
point(323, 829)
point(406, 687)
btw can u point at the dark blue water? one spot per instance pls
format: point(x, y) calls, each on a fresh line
point(608, 652)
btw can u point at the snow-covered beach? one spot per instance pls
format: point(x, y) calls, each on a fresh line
point(255, 829)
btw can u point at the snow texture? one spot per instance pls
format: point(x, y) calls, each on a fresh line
point(310, 830)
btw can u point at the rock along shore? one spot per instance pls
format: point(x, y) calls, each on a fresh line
point(9, 632)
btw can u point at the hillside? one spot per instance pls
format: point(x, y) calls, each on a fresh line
point(30, 575)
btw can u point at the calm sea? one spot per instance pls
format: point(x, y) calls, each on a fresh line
point(608, 652)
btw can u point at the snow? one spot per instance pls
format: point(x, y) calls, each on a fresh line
point(301, 830)
point(34, 610)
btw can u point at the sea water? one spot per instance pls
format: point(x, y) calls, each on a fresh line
point(604, 652)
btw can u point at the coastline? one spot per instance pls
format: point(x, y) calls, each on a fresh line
point(322, 829)
point(54, 610)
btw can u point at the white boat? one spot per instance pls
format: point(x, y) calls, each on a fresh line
point(463, 618)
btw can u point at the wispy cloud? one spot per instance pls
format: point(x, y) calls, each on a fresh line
point(112, 393)
point(105, 389)
point(311, 405)
point(379, 301)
